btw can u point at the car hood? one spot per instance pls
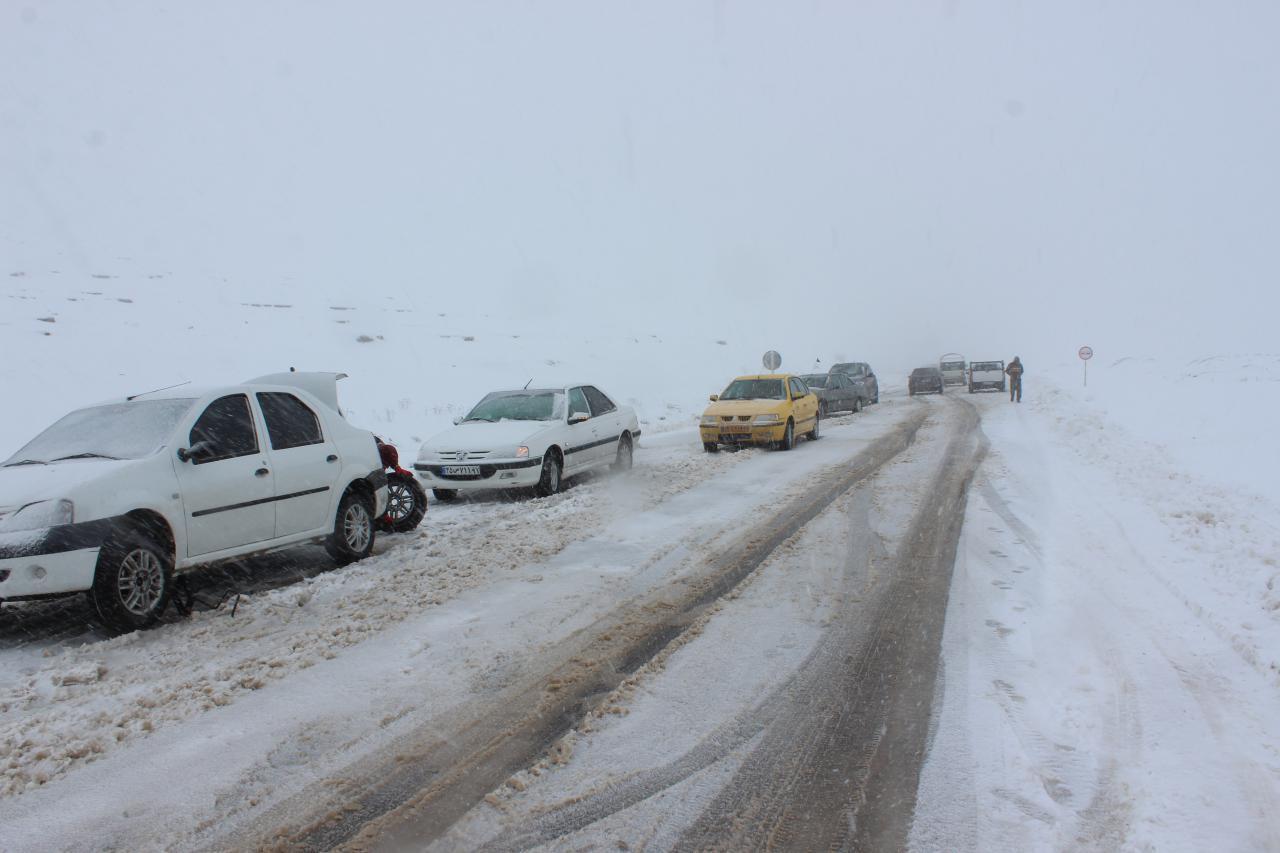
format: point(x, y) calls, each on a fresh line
point(480, 435)
point(745, 407)
point(24, 484)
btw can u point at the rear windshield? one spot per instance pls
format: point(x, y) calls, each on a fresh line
point(519, 406)
point(988, 365)
point(815, 380)
point(925, 371)
point(953, 365)
point(755, 389)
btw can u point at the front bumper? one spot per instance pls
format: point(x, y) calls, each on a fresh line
point(47, 574)
point(752, 434)
point(495, 474)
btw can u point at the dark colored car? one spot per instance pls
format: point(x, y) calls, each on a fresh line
point(836, 392)
point(925, 380)
point(863, 378)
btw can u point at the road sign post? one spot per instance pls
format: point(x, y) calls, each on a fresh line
point(1085, 354)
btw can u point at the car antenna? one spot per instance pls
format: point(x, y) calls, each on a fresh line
point(527, 384)
point(158, 390)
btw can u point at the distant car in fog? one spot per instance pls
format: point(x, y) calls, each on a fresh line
point(531, 437)
point(863, 377)
point(836, 392)
point(112, 499)
point(986, 376)
point(953, 368)
point(925, 380)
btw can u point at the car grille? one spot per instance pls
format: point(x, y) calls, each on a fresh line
point(729, 418)
point(463, 455)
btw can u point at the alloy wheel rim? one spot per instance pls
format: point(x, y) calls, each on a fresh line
point(140, 582)
point(355, 527)
point(554, 479)
point(401, 502)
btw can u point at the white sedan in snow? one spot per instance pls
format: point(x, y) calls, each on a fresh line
point(114, 498)
point(531, 437)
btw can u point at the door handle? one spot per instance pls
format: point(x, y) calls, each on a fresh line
point(331, 458)
point(261, 472)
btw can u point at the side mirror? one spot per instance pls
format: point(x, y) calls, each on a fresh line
point(195, 451)
point(714, 397)
point(457, 421)
point(579, 417)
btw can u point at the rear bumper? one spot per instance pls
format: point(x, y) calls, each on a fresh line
point(986, 386)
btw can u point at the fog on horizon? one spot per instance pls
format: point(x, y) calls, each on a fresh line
point(905, 177)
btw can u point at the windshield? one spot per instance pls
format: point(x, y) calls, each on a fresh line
point(953, 365)
point(114, 431)
point(754, 389)
point(925, 371)
point(815, 380)
point(519, 406)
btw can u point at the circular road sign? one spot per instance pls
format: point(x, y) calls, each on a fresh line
point(1086, 353)
point(772, 361)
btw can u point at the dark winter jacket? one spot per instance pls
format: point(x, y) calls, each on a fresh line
point(1014, 369)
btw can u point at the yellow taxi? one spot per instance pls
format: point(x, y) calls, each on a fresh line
point(767, 409)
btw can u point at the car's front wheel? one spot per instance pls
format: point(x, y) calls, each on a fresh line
point(549, 482)
point(822, 410)
point(788, 437)
point(711, 447)
point(133, 581)
point(353, 530)
point(857, 405)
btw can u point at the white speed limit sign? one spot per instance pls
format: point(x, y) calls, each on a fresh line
point(1085, 354)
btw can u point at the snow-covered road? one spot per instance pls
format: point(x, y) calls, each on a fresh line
point(734, 650)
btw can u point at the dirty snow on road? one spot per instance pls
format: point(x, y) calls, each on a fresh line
point(1111, 648)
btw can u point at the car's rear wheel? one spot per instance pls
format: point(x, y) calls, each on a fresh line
point(133, 581)
point(788, 437)
point(625, 457)
point(710, 447)
point(549, 483)
point(445, 494)
point(353, 529)
point(813, 433)
point(857, 405)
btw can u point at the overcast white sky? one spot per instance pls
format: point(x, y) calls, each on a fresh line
point(908, 176)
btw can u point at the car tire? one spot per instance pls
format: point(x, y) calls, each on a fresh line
point(445, 495)
point(822, 410)
point(406, 504)
point(788, 437)
point(353, 530)
point(625, 458)
point(813, 434)
point(857, 405)
point(710, 447)
point(133, 581)
point(550, 481)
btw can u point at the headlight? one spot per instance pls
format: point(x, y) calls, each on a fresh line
point(40, 514)
point(761, 420)
point(522, 452)
point(709, 420)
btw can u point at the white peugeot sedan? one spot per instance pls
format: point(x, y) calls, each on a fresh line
point(115, 498)
point(531, 437)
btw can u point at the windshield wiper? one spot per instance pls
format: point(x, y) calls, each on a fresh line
point(25, 462)
point(486, 420)
point(84, 456)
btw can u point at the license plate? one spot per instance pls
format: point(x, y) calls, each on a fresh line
point(461, 470)
point(737, 428)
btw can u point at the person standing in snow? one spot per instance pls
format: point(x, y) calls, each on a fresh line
point(1015, 379)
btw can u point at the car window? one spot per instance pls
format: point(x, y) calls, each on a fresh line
point(578, 402)
point(227, 427)
point(797, 389)
point(600, 404)
point(290, 422)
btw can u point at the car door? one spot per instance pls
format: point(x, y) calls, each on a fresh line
point(608, 424)
point(227, 486)
point(305, 462)
point(873, 384)
point(804, 406)
point(839, 393)
point(580, 448)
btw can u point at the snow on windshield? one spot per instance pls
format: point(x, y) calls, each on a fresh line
point(519, 406)
point(116, 431)
point(754, 389)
